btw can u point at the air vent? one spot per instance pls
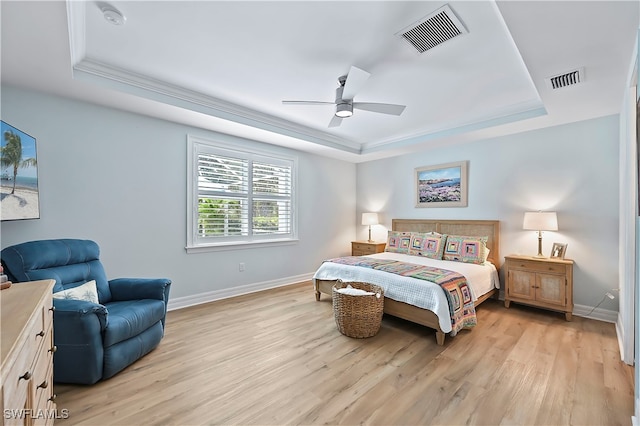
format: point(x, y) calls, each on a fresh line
point(432, 30)
point(567, 79)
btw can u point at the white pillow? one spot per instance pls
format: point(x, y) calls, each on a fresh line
point(87, 292)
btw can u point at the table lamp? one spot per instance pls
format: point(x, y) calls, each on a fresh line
point(370, 219)
point(540, 221)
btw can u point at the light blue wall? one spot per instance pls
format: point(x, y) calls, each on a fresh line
point(571, 169)
point(120, 179)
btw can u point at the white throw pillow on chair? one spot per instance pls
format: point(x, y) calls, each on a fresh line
point(87, 292)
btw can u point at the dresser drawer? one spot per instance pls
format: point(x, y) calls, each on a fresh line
point(42, 388)
point(16, 384)
point(42, 372)
point(15, 393)
point(531, 265)
point(44, 320)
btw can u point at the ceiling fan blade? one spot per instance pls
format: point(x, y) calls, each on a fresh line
point(335, 121)
point(355, 80)
point(391, 109)
point(307, 103)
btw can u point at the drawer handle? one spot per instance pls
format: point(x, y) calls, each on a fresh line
point(53, 349)
point(41, 334)
point(53, 397)
point(44, 385)
point(25, 376)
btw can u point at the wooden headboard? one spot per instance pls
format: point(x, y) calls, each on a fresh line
point(472, 228)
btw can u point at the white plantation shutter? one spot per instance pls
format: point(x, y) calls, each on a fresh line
point(238, 196)
point(223, 191)
point(271, 198)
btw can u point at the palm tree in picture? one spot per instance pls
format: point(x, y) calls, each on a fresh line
point(12, 155)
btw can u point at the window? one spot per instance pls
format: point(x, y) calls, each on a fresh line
point(238, 197)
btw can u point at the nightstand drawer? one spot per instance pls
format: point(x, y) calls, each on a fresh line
point(532, 265)
point(362, 248)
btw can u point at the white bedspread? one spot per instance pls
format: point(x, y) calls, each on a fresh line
point(421, 293)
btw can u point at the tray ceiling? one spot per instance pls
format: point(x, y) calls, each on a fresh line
point(227, 66)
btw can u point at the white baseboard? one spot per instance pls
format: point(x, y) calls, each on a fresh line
point(597, 314)
point(225, 293)
point(620, 334)
point(627, 356)
point(210, 296)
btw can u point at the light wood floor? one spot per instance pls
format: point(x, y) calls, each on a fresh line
point(276, 358)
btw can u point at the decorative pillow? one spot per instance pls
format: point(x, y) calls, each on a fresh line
point(429, 245)
point(87, 292)
point(398, 242)
point(465, 249)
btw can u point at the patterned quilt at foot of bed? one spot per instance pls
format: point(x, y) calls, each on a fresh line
point(457, 291)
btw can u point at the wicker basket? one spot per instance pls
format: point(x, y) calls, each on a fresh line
point(358, 316)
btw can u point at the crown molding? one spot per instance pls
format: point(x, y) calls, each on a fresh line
point(84, 67)
point(149, 88)
point(516, 113)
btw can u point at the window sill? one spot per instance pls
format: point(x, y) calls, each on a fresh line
point(240, 245)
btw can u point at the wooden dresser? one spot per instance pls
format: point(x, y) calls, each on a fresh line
point(542, 282)
point(26, 375)
point(361, 248)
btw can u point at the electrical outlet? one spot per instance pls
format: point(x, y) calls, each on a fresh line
point(241, 267)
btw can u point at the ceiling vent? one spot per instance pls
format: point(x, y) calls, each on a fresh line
point(567, 79)
point(432, 30)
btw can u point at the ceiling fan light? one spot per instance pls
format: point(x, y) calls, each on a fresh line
point(344, 110)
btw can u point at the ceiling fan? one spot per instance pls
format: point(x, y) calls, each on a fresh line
point(350, 84)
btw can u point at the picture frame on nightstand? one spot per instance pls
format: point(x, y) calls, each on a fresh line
point(558, 250)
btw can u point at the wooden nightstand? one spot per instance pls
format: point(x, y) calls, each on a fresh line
point(541, 282)
point(360, 248)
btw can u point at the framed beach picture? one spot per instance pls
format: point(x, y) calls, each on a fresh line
point(18, 175)
point(443, 185)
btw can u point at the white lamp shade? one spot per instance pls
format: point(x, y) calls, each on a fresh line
point(369, 218)
point(540, 221)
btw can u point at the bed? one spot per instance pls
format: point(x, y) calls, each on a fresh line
point(327, 275)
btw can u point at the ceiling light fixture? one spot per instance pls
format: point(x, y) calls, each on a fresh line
point(344, 110)
point(112, 15)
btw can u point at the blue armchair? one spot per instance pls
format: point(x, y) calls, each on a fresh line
point(94, 341)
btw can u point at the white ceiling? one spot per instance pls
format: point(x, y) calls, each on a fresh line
point(227, 66)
